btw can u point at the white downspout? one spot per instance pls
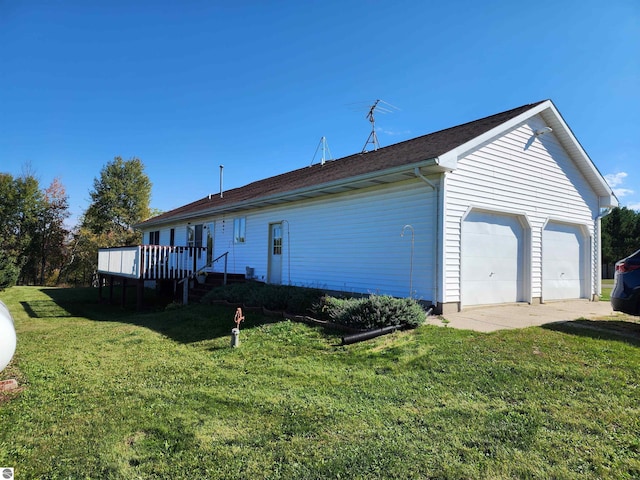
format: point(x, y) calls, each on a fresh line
point(606, 211)
point(436, 243)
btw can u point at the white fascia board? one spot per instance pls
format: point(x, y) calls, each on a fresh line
point(451, 158)
point(579, 155)
point(551, 116)
point(257, 202)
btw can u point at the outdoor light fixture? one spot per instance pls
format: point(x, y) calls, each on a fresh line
point(542, 131)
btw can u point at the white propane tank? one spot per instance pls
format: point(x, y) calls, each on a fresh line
point(7, 337)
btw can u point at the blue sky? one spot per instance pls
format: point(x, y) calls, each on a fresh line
point(254, 85)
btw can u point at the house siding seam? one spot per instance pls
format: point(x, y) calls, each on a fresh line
point(517, 172)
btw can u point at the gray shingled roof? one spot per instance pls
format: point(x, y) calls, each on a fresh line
point(400, 154)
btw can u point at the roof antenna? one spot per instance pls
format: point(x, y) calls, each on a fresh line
point(325, 150)
point(376, 107)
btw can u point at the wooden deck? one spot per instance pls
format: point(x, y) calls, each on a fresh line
point(152, 262)
point(141, 263)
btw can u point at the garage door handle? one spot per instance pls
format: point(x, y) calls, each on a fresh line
point(491, 274)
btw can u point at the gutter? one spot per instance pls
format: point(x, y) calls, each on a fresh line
point(603, 213)
point(283, 196)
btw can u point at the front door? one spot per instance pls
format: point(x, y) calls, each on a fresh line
point(275, 253)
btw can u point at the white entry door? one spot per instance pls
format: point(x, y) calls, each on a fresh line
point(563, 262)
point(275, 253)
point(492, 259)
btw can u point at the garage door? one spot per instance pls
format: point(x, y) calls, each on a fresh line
point(563, 262)
point(492, 259)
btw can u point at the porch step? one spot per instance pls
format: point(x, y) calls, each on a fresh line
point(217, 279)
point(211, 281)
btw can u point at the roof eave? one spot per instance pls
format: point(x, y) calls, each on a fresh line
point(570, 142)
point(366, 180)
point(562, 131)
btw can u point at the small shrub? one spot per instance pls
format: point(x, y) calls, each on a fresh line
point(299, 300)
point(376, 311)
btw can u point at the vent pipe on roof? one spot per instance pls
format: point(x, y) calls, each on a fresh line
point(221, 169)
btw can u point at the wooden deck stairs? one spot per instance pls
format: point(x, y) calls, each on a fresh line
point(212, 280)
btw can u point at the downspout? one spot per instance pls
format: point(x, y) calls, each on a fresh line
point(603, 213)
point(436, 243)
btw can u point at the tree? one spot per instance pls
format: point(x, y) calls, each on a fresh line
point(20, 206)
point(8, 271)
point(82, 256)
point(53, 235)
point(620, 234)
point(119, 199)
point(32, 233)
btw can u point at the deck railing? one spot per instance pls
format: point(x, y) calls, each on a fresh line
point(151, 262)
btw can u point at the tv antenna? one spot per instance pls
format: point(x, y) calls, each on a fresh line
point(376, 108)
point(325, 149)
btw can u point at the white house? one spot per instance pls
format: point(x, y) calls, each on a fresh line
point(502, 209)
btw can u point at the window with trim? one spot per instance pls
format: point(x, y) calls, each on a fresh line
point(194, 235)
point(172, 237)
point(154, 238)
point(239, 229)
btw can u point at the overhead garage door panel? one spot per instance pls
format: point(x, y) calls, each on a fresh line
point(492, 254)
point(563, 262)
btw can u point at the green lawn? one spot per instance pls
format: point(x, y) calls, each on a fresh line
point(607, 286)
point(113, 394)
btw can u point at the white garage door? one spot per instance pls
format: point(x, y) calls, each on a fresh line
point(492, 259)
point(563, 262)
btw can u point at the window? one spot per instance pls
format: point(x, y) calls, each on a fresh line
point(239, 230)
point(194, 235)
point(172, 237)
point(154, 238)
point(277, 239)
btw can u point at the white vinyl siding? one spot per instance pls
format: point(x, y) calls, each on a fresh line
point(521, 174)
point(347, 242)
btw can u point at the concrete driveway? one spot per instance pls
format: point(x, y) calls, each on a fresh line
point(521, 315)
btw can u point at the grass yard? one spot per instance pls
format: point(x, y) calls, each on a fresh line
point(115, 394)
point(607, 286)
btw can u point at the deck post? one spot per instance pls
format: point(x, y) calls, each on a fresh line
point(140, 294)
point(110, 289)
point(123, 298)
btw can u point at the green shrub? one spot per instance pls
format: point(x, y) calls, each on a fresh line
point(298, 300)
point(376, 311)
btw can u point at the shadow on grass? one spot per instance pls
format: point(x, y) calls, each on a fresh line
point(184, 324)
point(44, 309)
point(628, 332)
